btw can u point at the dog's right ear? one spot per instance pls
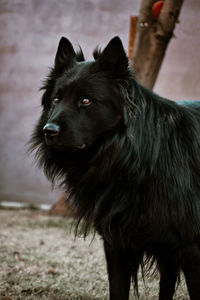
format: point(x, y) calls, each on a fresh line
point(65, 55)
point(113, 59)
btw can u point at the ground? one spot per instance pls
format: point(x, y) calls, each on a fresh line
point(41, 259)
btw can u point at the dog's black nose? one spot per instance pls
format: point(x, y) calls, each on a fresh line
point(51, 129)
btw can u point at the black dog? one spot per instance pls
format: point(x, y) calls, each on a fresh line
point(131, 161)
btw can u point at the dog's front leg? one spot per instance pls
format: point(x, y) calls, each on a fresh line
point(119, 273)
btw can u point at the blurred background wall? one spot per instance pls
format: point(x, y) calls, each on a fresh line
point(29, 35)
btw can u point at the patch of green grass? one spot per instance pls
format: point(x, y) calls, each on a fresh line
point(59, 223)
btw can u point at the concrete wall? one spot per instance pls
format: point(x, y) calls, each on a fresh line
point(29, 34)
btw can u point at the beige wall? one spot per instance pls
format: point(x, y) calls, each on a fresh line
point(29, 33)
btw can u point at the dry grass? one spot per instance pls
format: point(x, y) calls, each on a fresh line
point(40, 259)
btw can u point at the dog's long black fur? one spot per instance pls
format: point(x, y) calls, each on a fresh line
point(130, 160)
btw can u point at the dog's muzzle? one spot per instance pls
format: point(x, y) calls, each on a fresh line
point(51, 131)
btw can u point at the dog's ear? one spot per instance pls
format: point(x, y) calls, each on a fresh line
point(65, 55)
point(114, 58)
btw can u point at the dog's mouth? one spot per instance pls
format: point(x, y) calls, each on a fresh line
point(61, 147)
point(51, 141)
point(81, 147)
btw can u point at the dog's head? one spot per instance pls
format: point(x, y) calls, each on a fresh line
point(82, 100)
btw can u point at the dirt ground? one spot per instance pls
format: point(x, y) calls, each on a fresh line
point(41, 259)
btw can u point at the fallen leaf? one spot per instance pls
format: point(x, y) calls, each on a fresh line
point(51, 271)
point(17, 255)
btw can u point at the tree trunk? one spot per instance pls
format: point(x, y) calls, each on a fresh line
point(62, 208)
point(153, 36)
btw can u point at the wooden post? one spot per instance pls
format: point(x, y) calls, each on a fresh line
point(132, 35)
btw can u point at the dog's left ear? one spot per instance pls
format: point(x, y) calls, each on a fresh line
point(114, 58)
point(65, 55)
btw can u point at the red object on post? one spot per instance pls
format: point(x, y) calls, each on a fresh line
point(156, 8)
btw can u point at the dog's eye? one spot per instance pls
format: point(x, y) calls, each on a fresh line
point(56, 100)
point(85, 102)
